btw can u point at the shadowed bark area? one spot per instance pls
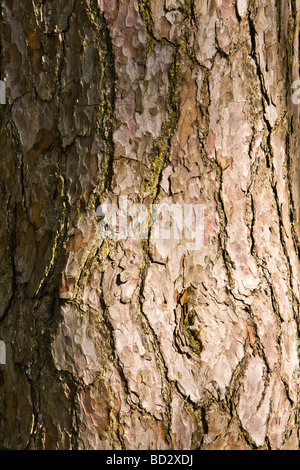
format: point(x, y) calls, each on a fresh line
point(147, 344)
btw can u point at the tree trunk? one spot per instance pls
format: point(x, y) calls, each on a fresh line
point(146, 343)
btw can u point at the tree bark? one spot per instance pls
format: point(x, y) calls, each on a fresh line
point(144, 344)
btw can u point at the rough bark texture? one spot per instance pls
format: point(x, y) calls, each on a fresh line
point(144, 344)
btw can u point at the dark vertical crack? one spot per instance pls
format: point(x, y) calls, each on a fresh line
point(253, 55)
point(223, 236)
point(237, 12)
point(108, 102)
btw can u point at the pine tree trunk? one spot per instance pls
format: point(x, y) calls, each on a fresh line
point(145, 344)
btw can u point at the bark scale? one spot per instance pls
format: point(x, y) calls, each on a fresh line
point(136, 344)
